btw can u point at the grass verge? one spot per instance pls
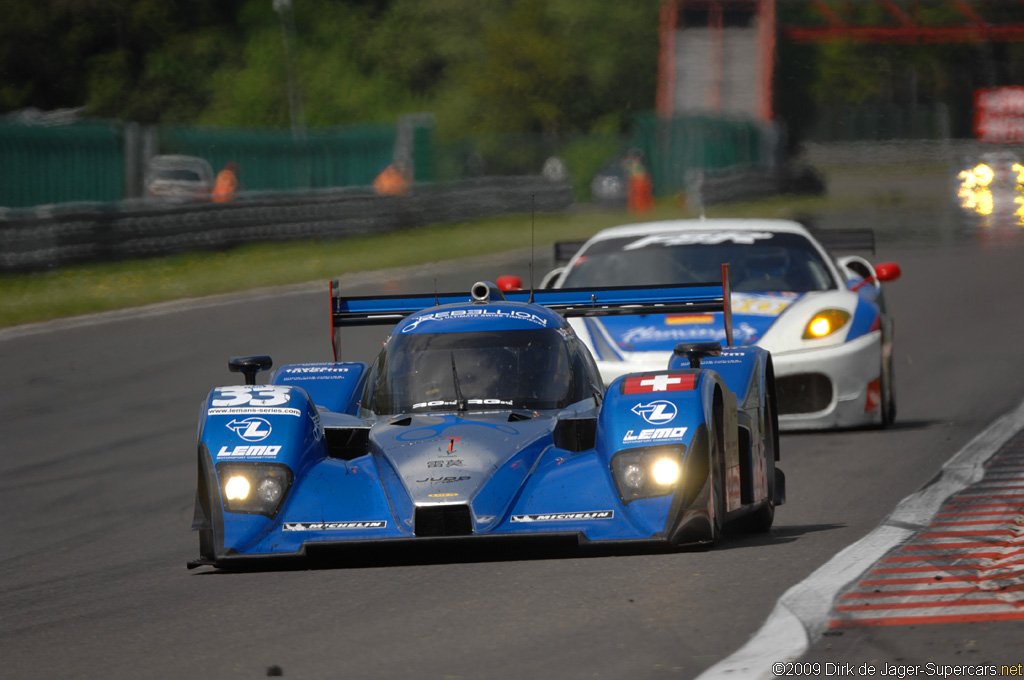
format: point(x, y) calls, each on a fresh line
point(82, 289)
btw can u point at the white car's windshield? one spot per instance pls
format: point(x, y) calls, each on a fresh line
point(759, 261)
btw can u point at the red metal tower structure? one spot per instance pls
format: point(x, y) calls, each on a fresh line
point(696, 63)
point(703, 65)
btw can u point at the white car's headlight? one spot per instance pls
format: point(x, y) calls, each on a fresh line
point(825, 323)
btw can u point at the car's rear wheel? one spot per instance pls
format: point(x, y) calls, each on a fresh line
point(716, 475)
point(761, 520)
point(888, 394)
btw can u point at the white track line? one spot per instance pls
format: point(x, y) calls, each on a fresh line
point(157, 309)
point(802, 613)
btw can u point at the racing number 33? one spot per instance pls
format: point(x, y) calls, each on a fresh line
point(261, 395)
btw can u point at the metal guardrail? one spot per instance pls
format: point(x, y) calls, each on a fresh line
point(52, 236)
point(748, 184)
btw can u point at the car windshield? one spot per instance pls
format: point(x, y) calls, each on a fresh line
point(760, 262)
point(527, 369)
point(179, 174)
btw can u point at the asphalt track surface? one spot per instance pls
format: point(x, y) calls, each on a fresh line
point(97, 481)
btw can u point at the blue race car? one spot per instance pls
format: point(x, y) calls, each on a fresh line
point(484, 415)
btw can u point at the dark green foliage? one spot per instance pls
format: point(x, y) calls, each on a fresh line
point(482, 67)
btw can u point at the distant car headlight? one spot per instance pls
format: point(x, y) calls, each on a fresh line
point(825, 323)
point(254, 488)
point(647, 472)
point(984, 175)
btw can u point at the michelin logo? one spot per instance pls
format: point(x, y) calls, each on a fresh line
point(333, 526)
point(566, 516)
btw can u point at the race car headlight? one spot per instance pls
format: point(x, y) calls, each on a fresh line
point(254, 488)
point(983, 175)
point(666, 471)
point(647, 472)
point(825, 323)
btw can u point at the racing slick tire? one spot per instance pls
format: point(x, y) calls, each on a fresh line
point(716, 474)
point(888, 394)
point(761, 520)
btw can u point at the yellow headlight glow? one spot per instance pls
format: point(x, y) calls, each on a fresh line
point(237, 488)
point(984, 175)
point(820, 327)
point(825, 323)
point(666, 471)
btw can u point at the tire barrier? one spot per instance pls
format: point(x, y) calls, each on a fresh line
point(750, 184)
point(52, 236)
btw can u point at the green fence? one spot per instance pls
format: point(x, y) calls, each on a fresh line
point(279, 160)
point(87, 161)
point(676, 147)
point(880, 121)
point(40, 164)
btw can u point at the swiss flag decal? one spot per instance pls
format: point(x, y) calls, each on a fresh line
point(672, 382)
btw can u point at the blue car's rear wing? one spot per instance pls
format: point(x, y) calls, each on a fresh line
point(695, 298)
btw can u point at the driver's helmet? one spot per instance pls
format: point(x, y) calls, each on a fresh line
point(767, 265)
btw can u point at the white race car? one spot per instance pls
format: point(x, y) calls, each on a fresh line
point(823, 318)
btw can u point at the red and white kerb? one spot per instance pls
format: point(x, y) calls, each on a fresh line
point(966, 566)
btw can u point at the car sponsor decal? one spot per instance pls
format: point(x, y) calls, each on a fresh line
point(700, 237)
point(254, 412)
point(320, 371)
point(565, 516)
point(442, 495)
point(251, 429)
point(482, 313)
point(315, 368)
point(443, 480)
point(761, 305)
point(470, 402)
point(445, 462)
point(249, 452)
point(333, 526)
point(680, 319)
point(670, 382)
point(654, 434)
point(251, 395)
point(657, 412)
point(644, 334)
